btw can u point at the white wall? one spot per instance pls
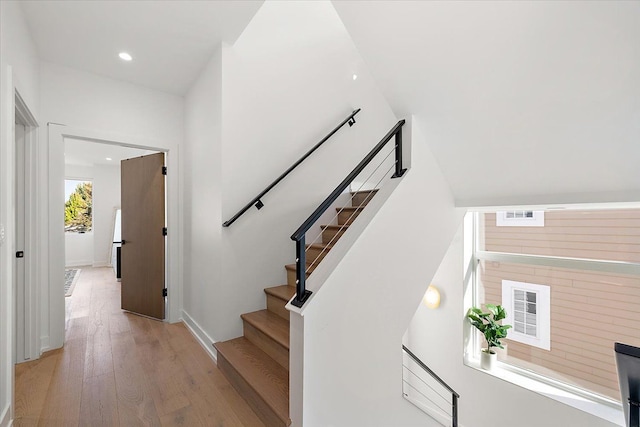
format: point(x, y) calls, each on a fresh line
point(527, 102)
point(353, 326)
point(94, 248)
point(202, 204)
point(19, 68)
point(285, 84)
point(96, 107)
point(78, 249)
point(445, 327)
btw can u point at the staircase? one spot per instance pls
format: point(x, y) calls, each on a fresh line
point(257, 363)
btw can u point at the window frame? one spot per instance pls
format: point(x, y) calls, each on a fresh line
point(537, 220)
point(583, 399)
point(81, 179)
point(543, 313)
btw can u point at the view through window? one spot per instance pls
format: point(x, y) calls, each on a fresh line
point(78, 206)
point(589, 260)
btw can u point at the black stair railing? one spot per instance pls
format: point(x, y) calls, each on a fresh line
point(302, 294)
point(454, 396)
point(256, 200)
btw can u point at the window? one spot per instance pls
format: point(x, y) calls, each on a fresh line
point(520, 218)
point(571, 289)
point(78, 206)
point(528, 311)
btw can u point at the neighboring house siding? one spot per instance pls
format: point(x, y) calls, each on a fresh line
point(605, 234)
point(589, 310)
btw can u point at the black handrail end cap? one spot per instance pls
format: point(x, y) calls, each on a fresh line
point(226, 223)
point(398, 175)
point(300, 302)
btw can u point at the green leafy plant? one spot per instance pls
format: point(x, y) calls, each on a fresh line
point(487, 323)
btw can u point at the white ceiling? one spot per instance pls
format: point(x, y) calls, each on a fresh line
point(517, 99)
point(80, 152)
point(169, 40)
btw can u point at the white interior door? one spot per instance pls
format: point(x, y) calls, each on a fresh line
point(21, 350)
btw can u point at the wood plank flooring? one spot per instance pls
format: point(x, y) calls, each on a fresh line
point(119, 369)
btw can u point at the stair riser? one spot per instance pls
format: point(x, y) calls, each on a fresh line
point(291, 278)
point(259, 406)
point(361, 199)
point(277, 306)
point(316, 255)
point(266, 344)
point(347, 217)
point(331, 235)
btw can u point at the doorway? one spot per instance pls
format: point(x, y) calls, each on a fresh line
point(92, 199)
point(26, 338)
point(57, 137)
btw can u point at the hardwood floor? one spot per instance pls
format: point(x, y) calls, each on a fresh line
point(121, 369)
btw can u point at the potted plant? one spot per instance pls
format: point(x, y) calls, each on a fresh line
point(487, 323)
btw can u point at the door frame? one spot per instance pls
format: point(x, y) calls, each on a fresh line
point(54, 194)
point(28, 172)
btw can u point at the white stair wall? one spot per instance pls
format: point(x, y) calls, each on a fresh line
point(350, 332)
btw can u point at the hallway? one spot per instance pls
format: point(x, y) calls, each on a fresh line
point(121, 369)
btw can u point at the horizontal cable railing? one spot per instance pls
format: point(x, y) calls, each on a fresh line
point(373, 182)
point(256, 200)
point(302, 294)
point(417, 383)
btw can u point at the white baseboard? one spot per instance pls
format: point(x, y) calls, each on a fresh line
point(44, 344)
point(205, 340)
point(78, 264)
point(101, 264)
point(5, 417)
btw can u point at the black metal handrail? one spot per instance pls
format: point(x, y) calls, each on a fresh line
point(454, 395)
point(256, 200)
point(302, 294)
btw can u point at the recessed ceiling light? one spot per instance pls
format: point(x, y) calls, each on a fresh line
point(108, 158)
point(125, 56)
point(355, 76)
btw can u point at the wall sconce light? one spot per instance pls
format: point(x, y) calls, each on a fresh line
point(432, 297)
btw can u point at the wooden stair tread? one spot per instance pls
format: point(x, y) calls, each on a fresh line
point(270, 324)
point(265, 375)
point(350, 208)
point(283, 292)
point(292, 267)
point(334, 227)
point(364, 191)
point(320, 245)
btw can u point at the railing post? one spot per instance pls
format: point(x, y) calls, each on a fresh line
point(399, 170)
point(301, 274)
point(454, 410)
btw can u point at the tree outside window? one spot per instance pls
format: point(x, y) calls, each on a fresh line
point(78, 206)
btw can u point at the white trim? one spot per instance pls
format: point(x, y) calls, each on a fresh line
point(200, 335)
point(5, 418)
point(581, 399)
point(55, 261)
point(543, 313)
point(591, 403)
point(100, 264)
point(616, 267)
point(503, 219)
point(80, 264)
point(44, 344)
point(31, 230)
point(23, 113)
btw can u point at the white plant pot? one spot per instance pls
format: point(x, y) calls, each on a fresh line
point(488, 360)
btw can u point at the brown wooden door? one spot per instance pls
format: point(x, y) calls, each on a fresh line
point(143, 252)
